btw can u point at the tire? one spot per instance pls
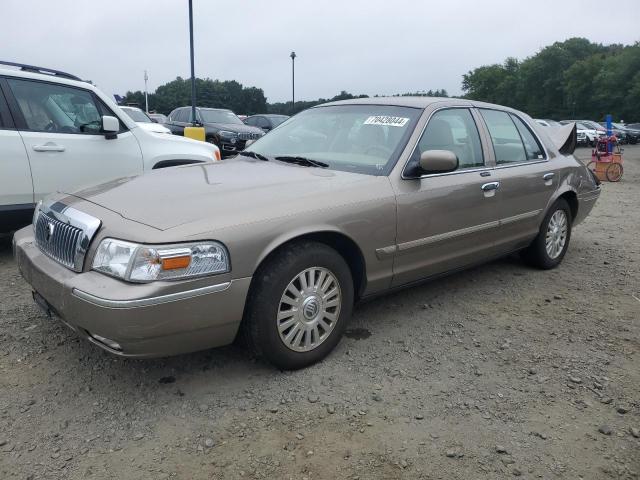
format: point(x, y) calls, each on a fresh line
point(614, 172)
point(538, 254)
point(272, 323)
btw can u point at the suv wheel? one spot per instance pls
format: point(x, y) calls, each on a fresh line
point(299, 305)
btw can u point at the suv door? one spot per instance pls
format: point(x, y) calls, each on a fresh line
point(446, 220)
point(16, 187)
point(61, 129)
point(175, 121)
point(527, 178)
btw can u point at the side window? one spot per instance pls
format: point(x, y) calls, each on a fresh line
point(454, 130)
point(263, 123)
point(251, 121)
point(507, 143)
point(48, 107)
point(531, 146)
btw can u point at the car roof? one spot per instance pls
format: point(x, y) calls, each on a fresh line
point(14, 72)
point(419, 102)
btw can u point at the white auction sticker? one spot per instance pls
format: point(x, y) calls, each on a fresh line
point(386, 120)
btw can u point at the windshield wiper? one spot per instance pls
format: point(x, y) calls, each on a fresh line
point(304, 161)
point(255, 155)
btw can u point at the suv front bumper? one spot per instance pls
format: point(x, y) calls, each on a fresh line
point(148, 320)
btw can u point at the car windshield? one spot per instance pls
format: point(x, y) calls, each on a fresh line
point(137, 115)
point(220, 116)
point(356, 138)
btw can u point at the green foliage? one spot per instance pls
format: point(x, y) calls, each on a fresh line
point(571, 79)
point(210, 93)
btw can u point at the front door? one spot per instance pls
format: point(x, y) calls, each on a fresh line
point(446, 221)
point(60, 126)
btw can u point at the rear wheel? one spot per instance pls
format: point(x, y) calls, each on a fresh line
point(299, 305)
point(614, 172)
point(550, 245)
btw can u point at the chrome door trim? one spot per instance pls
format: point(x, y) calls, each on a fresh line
point(151, 301)
point(521, 216)
point(386, 252)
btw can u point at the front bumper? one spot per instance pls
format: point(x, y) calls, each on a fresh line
point(149, 320)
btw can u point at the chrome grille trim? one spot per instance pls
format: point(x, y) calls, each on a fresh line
point(249, 136)
point(63, 233)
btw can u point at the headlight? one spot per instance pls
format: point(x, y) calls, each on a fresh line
point(145, 263)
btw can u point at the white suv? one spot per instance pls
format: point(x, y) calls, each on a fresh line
point(59, 133)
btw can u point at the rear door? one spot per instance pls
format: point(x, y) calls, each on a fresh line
point(16, 188)
point(60, 127)
point(527, 177)
point(449, 220)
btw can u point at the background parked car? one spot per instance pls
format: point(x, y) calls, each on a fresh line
point(222, 127)
point(144, 121)
point(158, 118)
point(59, 133)
point(265, 122)
point(545, 122)
point(587, 134)
point(624, 133)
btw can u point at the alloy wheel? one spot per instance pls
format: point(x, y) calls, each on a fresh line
point(556, 234)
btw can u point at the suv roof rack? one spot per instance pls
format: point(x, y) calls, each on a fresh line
point(43, 70)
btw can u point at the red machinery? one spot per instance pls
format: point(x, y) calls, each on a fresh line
point(606, 159)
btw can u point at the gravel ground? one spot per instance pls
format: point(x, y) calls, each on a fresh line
point(496, 372)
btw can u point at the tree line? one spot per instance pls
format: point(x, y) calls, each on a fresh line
point(571, 79)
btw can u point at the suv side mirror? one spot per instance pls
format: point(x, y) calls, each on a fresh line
point(438, 161)
point(110, 127)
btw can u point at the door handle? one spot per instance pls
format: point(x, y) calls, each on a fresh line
point(548, 176)
point(487, 187)
point(48, 147)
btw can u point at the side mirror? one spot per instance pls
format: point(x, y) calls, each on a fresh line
point(110, 127)
point(438, 161)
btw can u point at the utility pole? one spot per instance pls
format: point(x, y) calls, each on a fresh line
point(293, 82)
point(146, 97)
point(193, 76)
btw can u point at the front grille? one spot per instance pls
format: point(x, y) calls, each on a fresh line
point(249, 136)
point(57, 239)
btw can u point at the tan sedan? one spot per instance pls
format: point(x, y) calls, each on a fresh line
point(341, 202)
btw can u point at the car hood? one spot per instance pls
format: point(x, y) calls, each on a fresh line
point(234, 127)
point(153, 127)
point(232, 192)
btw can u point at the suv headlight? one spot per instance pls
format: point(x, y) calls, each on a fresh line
point(134, 262)
point(227, 134)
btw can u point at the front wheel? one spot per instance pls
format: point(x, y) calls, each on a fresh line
point(550, 245)
point(300, 302)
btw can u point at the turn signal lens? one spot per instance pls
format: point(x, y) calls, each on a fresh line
point(174, 263)
point(217, 155)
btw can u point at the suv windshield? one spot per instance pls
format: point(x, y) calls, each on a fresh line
point(137, 115)
point(355, 138)
point(220, 116)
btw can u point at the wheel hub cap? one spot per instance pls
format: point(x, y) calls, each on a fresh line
point(309, 309)
point(556, 234)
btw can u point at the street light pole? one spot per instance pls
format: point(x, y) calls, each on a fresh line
point(293, 82)
point(193, 77)
point(146, 97)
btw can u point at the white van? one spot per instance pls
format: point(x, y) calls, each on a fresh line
point(59, 133)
